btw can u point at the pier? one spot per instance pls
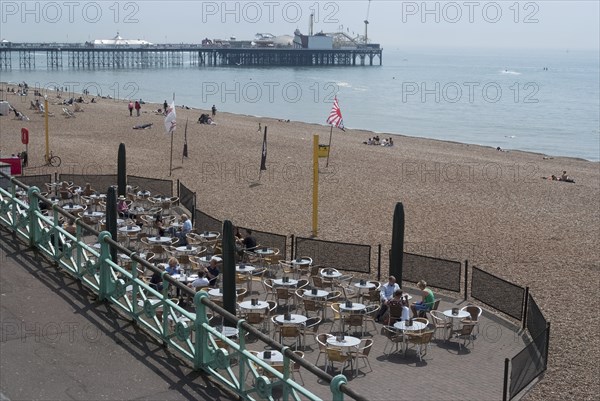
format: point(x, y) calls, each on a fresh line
point(28, 55)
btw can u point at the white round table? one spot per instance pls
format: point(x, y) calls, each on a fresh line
point(290, 283)
point(259, 305)
point(294, 319)
point(301, 262)
point(332, 274)
point(159, 240)
point(460, 315)
point(206, 259)
point(416, 326)
point(130, 229)
point(348, 341)
point(185, 249)
point(229, 331)
point(184, 278)
point(209, 235)
point(215, 292)
point(245, 269)
point(366, 286)
point(275, 358)
point(354, 308)
point(93, 215)
point(264, 252)
point(319, 294)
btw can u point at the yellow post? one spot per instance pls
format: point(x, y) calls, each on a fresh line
point(315, 211)
point(46, 127)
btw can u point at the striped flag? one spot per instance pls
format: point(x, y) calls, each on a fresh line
point(170, 119)
point(335, 116)
point(263, 159)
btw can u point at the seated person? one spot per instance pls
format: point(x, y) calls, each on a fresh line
point(156, 282)
point(88, 190)
point(249, 242)
point(123, 207)
point(173, 267)
point(212, 272)
point(564, 176)
point(401, 301)
point(387, 292)
point(427, 300)
point(158, 224)
point(186, 228)
point(200, 282)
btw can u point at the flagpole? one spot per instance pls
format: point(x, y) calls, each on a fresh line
point(171, 161)
point(315, 208)
point(329, 149)
point(171, 132)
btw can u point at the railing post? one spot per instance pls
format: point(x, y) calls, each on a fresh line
point(105, 285)
point(335, 385)
point(34, 228)
point(379, 263)
point(466, 279)
point(505, 389)
point(178, 193)
point(525, 306)
point(292, 254)
point(202, 355)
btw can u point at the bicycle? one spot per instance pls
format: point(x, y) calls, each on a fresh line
point(53, 160)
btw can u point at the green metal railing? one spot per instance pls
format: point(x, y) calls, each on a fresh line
point(190, 334)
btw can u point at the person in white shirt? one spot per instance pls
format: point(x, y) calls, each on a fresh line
point(386, 294)
point(200, 282)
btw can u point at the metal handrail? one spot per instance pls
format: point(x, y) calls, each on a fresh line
point(107, 275)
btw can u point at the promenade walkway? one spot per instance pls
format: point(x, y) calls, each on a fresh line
point(58, 342)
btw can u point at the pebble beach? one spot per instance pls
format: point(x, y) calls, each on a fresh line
point(461, 201)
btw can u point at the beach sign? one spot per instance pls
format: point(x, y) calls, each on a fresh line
point(323, 151)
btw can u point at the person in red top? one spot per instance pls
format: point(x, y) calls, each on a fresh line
point(137, 108)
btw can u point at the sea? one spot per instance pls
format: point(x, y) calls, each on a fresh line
point(545, 101)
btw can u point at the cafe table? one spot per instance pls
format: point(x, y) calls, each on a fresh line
point(294, 319)
point(159, 240)
point(355, 307)
point(244, 268)
point(259, 305)
point(275, 358)
point(209, 235)
point(319, 294)
point(290, 283)
point(215, 292)
point(456, 318)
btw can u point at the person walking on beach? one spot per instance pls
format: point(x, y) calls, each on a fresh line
point(259, 127)
point(130, 106)
point(165, 107)
point(137, 108)
point(214, 111)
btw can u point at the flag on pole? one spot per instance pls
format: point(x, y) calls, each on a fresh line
point(185, 147)
point(170, 119)
point(263, 159)
point(335, 116)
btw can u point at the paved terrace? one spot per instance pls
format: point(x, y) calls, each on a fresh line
point(57, 342)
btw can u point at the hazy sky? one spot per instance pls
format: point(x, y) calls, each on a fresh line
point(506, 24)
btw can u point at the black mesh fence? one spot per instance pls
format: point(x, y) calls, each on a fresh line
point(154, 185)
point(205, 222)
point(497, 293)
point(271, 240)
point(339, 255)
point(100, 183)
point(36, 181)
point(440, 273)
point(536, 322)
point(528, 364)
point(187, 199)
